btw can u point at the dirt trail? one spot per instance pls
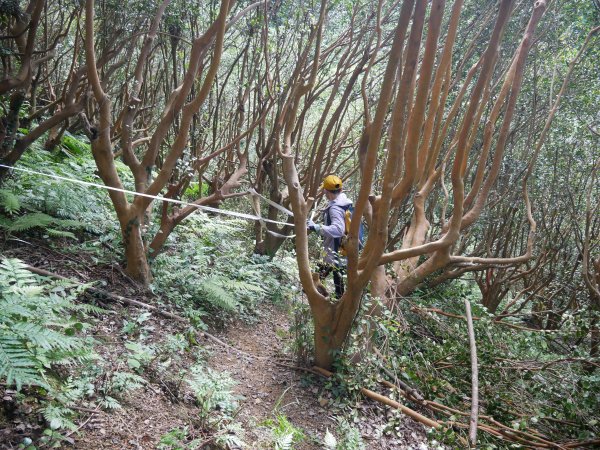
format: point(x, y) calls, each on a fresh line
point(268, 388)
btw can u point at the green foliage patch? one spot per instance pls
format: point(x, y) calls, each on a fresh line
point(527, 379)
point(213, 272)
point(38, 327)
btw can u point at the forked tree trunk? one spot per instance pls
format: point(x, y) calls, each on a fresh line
point(131, 215)
point(135, 251)
point(332, 325)
point(167, 225)
point(406, 166)
point(491, 296)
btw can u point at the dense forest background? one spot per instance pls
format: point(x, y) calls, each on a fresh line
point(159, 161)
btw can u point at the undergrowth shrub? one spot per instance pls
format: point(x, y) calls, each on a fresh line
point(284, 434)
point(217, 404)
point(48, 356)
point(348, 437)
point(31, 200)
point(52, 226)
point(42, 340)
point(556, 396)
point(212, 271)
point(39, 327)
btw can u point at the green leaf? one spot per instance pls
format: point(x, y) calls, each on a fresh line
point(329, 441)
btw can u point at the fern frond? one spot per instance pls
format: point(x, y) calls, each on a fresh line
point(69, 358)
point(329, 441)
point(13, 264)
point(284, 442)
point(60, 233)
point(14, 276)
point(216, 294)
point(213, 389)
point(246, 287)
point(17, 363)
point(30, 291)
point(44, 337)
point(12, 306)
point(75, 146)
point(87, 308)
point(36, 327)
point(9, 201)
point(126, 381)
point(109, 402)
point(33, 220)
point(58, 417)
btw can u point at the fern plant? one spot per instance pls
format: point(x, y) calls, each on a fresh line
point(75, 146)
point(285, 434)
point(90, 207)
point(37, 328)
point(349, 437)
point(213, 270)
point(53, 226)
point(176, 439)
point(9, 202)
point(217, 404)
point(213, 391)
point(219, 293)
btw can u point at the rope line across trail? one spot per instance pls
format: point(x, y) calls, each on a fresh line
point(171, 200)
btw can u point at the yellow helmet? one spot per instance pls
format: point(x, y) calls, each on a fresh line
point(332, 183)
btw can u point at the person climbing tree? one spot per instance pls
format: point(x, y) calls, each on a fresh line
point(333, 230)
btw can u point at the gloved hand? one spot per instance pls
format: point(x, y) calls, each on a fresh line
point(311, 226)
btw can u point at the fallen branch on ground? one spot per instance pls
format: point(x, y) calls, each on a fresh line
point(387, 401)
point(108, 295)
point(458, 316)
point(474, 378)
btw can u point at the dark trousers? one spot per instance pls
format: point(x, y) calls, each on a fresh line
point(338, 276)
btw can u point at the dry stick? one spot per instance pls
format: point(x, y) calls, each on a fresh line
point(417, 396)
point(508, 436)
point(129, 301)
point(92, 412)
point(387, 401)
point(590, 443)
point(107, 294)
point(474, 378)
point(502, 429)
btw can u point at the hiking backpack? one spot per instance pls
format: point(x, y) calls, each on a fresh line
point(339, 242)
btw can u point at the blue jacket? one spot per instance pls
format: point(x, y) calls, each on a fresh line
point(334, 228)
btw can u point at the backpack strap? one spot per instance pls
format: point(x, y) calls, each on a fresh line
point(337, 242)
point(327, 215)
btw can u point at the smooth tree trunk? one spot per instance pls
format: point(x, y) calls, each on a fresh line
point(135, 250)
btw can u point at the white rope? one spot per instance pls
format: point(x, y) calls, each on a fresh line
point(263, 225)
point(156, 197)
point(272, 203)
